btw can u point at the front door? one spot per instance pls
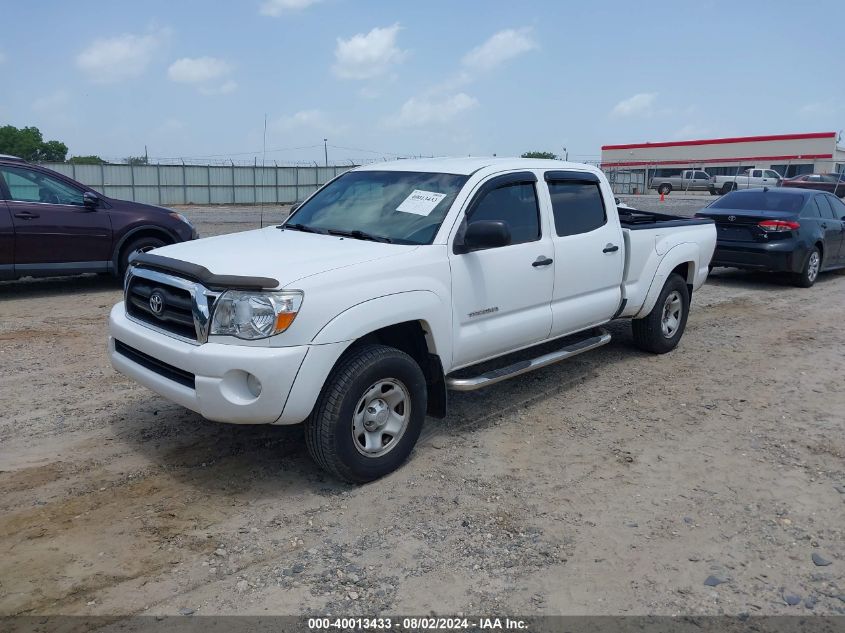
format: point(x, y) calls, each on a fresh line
point(589, 253)
point(53, 228)
point(500, 296)
point(7, 242)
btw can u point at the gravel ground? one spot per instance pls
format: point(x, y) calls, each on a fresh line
point(710, 480)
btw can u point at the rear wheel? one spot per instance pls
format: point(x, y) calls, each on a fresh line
point(664, 189)
point(369, 415)
point(807, 277)
point(661, 330)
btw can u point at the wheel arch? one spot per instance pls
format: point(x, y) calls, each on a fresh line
point(682, 259)
point(145, 230)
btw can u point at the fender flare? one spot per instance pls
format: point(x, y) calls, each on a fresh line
point(134, 231)
point(679, 254)
point(373, 314)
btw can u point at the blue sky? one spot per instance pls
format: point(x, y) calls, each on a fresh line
point(378, 78)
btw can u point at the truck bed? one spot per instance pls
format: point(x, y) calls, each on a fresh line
point(635, 219)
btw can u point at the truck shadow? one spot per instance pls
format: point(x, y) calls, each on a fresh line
point(230, 459)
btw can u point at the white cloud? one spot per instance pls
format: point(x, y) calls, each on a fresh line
point(314, 119)
point(419, 111)
point(499, 48)
point(52, 102)
point(197, 70)
point(275, 8)
point(208, 74)
point(639, 104)
point(117, 58)
point(367, 56)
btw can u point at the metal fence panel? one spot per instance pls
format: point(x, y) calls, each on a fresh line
point(202, 184)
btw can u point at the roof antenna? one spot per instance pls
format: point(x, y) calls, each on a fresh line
point(263, 170)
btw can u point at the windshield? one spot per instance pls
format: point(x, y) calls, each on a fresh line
point(404, 207)
point(760, 201)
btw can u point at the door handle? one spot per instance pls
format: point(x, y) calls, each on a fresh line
point(542, 260)
point(610, 248)
point(27, 215)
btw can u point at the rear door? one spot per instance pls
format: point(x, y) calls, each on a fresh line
point(838, 208)
point(832, 227)
point(7, 240)
point(588, 252)
point(501, 296)
point(53, 228)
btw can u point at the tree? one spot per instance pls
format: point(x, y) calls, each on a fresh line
point(29, 144)
point(86, 160)
point(136, 160)
point(548, 155)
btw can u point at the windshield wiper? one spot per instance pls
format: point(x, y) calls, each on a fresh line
point(301, 227)
point(361, 235)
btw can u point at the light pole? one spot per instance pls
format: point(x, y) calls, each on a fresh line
point(565, 154)
point(326, 150)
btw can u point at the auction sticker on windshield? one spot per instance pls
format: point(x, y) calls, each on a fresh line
point(421, 202)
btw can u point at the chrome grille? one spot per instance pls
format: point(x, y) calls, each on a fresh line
point(169, 304)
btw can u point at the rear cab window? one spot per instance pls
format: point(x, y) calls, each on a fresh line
point(577, 202)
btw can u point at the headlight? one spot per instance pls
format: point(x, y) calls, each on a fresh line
point(181, 218)
point(253, 315)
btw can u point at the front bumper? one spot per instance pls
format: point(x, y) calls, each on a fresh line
point(778, 256)
point(221, 390)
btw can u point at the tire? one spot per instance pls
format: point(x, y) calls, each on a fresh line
point(713, 192)
point(655, 332)
point(728, 187)
point(344, 435)
point(664, 189)
point(807, 277)
point(140, 244)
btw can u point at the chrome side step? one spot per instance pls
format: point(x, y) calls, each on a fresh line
point(524, 366)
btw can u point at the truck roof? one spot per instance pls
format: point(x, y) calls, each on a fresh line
point(467, 166)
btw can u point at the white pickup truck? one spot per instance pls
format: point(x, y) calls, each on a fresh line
point(748, 179)
point(389, 286)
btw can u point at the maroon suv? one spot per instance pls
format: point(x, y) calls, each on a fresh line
point(53, 225)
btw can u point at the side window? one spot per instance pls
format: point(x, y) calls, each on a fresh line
point(824, 205)
point(700, 175)
point(578, 207)
point(516, 205)
point(771, 174)
point(837, 205)
point(757, 173)
point(811, 210)
point(26, 185)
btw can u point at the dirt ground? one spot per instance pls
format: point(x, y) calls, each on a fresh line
point(616, 483)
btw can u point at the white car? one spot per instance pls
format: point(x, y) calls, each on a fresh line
point(748, 179)
point(389, 285)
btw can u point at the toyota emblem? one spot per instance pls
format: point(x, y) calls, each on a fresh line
point(157, 303)
point(731, 218)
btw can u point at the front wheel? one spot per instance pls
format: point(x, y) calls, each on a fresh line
point(807, 277)
point(661, 330)
point(138, 245)
point(369, 415)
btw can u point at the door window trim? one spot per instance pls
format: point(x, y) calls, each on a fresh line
point(493, 183)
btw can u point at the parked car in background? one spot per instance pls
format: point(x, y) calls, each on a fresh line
point(785, 230)
point(687, 180)
point(832, 183)
point(52, 225)
point(747, 179)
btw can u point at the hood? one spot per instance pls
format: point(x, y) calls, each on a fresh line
point(284, 255)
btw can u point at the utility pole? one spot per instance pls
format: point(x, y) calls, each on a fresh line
point(146, 156)
point(326, 150)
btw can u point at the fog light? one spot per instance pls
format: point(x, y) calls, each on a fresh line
point(253, 384)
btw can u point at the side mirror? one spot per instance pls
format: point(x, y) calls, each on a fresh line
point(618, 201)
point(90, 200)
point(294, 207)
point(486, 234)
